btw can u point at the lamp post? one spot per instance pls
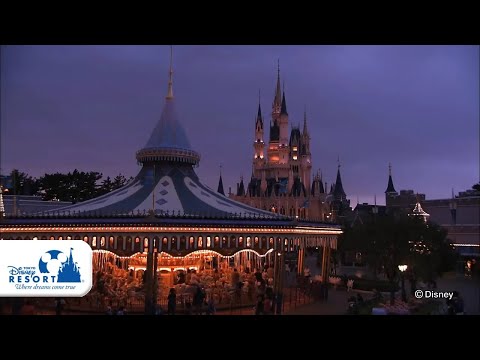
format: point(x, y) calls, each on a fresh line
point(402, 269)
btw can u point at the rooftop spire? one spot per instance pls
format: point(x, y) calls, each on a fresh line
point(305, 130)
point(338, 192)
point(259, 114)
point(170, 78)
point(168, 140)
point(259, 120)
point(390, 187)
point(220, 183)
point(278, 92)
point(284, 105)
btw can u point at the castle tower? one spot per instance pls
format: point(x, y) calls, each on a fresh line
point(282, 169)
point(273, 144)
point(340, 205)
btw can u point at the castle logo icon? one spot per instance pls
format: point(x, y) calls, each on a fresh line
point(56, 263)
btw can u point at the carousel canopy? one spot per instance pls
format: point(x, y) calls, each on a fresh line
point(165, 187)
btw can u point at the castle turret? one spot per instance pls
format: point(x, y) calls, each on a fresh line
point(220, 185)
point(259, 144)
point(338, 192)
point(390, 193)
point(241, 188)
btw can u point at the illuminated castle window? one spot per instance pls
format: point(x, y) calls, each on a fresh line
point(200, 242)
point(94, 241)
point(249, 241)
point(209, 242)
point(102, 241)
point(191, 242)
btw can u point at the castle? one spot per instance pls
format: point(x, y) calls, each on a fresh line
point(281, 179)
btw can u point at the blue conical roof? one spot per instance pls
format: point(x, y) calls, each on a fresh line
point(168, 133)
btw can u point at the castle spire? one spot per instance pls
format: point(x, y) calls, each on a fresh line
point(278, 93)
point(338, 191)
point(170, 78)
point(390, 187)
point(259, 113)
point(220, 183)
point(241, 187)
point(322, 189)
point(284, 105)
point(305, 130)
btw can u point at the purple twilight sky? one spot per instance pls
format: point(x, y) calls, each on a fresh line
point(93, 107)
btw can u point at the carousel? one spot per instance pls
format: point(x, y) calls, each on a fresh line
point(166, 229)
